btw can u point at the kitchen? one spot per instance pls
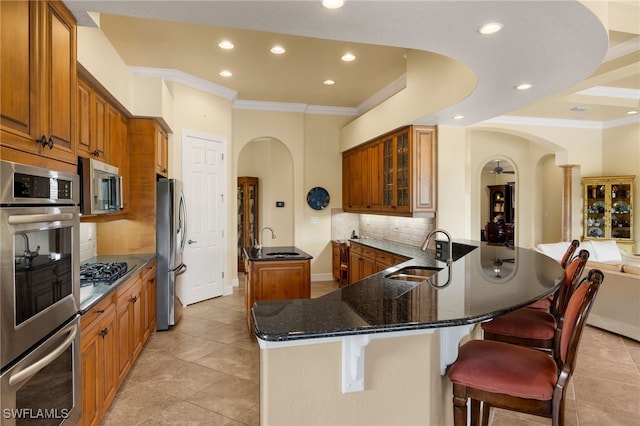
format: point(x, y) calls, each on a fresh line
point(307, 159)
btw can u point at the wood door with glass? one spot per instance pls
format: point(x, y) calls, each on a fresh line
point(608, 208)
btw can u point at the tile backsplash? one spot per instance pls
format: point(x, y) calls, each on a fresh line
point(87, 240)
point(406, 230)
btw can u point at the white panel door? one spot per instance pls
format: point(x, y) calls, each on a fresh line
point(204, 176)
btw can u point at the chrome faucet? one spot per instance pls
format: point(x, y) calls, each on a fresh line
point(258, 245)
point(426, 241)
point(28, 254)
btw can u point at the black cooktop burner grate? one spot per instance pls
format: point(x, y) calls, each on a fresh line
point(102, 272)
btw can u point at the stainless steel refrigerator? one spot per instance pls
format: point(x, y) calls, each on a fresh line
point(171, 226)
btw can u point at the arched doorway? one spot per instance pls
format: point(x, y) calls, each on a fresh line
point(271, 162)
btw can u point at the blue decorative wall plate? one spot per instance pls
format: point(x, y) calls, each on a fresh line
point(318, 198)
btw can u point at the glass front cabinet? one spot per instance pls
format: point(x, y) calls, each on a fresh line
point(608, 208)
point(247, 215)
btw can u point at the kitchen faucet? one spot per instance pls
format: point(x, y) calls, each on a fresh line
point(258, 245)
point(426, 241)
point(28, 254)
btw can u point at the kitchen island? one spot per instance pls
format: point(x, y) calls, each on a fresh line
point(275, 273)
point(375, 352)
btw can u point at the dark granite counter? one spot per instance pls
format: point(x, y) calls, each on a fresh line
point(275, 253)
point(93, 293)
point(484, 281)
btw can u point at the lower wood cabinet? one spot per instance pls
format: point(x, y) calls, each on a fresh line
point(113, 334)
point(99, 346)
point(365, 261)
point(276, 280)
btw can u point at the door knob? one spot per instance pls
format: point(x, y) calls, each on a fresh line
point(191, 242)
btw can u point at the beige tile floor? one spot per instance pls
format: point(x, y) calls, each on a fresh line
point(205, 371)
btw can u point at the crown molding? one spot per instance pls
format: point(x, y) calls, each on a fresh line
point(624, 48)
point(185, 79)
point(611, 92)
point(554, 122)
point(382, 95)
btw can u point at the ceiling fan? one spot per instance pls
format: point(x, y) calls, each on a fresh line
point(499, 170)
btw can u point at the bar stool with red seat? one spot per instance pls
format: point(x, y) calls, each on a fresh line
point(536, 328)
point(522, 379)
point(545, 304)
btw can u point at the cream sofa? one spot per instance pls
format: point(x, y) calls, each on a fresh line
point(617, 305)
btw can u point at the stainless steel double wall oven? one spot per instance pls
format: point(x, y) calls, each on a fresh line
point(39, 296)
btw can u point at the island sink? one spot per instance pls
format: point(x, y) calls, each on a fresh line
point(413, 273)
point(283, 254)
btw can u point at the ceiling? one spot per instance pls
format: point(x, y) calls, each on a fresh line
point(580, 74)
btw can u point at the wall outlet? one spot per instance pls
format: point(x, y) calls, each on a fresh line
point(314, 219)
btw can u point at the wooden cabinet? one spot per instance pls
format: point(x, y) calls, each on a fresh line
point(335, 259)
point(276, 280)
point(148, 300)
point(365, 261)
point(99, 357)
point(129, 310)
point(608, 208)
point(248, 225)
point(113, 333)
point(162, 152)
point(93, 129)
point(38, 85)
point(393, 174)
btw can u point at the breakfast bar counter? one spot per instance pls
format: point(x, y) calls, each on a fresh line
point(376, 351)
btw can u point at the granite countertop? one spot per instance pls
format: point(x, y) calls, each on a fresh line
point(483, 281)
point(275, 253)
point(93, 293)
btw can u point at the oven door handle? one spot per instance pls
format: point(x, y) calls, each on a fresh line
point(31, 370)
point(37, 218)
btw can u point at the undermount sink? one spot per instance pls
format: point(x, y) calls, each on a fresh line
point(413, 273)
point(283, 253)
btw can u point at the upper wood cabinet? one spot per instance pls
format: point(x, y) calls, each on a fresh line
point(93, 129)
point(38, 85)
point(162, 152)
point(394, 174)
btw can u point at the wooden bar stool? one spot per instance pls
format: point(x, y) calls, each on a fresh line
point(516, 378)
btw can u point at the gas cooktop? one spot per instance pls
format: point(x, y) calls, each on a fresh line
point(101, 272)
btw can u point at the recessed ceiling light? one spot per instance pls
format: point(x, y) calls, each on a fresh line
point(490, 28)
point(328, 82)
point(524, 86)
point(348, 57)
point(226, 73)
point(458, 117)
point(225, 44)
point(632, 112)
point(333, 4)
point(278, 50)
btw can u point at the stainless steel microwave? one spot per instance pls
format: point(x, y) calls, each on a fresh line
point(101, 186)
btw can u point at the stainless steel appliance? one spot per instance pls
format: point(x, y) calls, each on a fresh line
point(39, 295)
point(101, 187)
point(171, 232)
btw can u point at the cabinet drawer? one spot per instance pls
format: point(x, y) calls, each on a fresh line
point(149, 271)
point(355, 248)
point(384, 258)
point(369, 252)
point(93, 314)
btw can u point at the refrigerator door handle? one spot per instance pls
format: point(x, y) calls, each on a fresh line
point(180, 269)
point(182, 221)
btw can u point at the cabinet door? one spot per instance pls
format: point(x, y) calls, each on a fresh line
point(19, 65)
point(364, 186)
point(84, 118)
point(99, 127)
point(162, 148)
point(375, 173)
point(108, 358)
point(402, 175)
point(355, 267)
point(125, 340)
point(90, 350)
point(59, 86)
point(424, 169)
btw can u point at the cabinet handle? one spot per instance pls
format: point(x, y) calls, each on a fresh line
point(96, 153)
point(134, 299)
point(44, 142)
point(100, 311)
point(104, 332)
